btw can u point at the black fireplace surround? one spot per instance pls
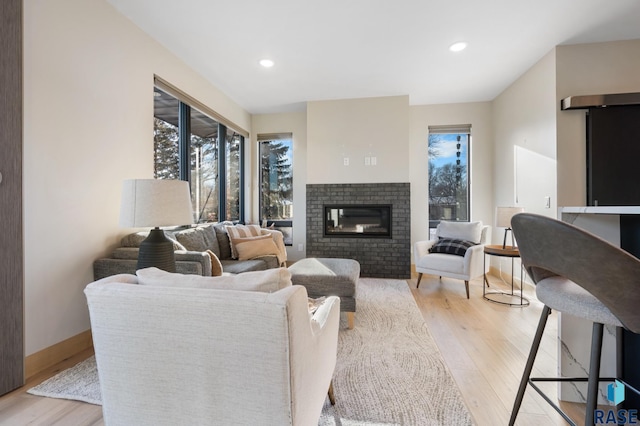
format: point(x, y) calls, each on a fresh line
point(380, 256)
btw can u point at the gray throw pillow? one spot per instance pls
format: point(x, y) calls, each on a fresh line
point(211, 239)
point(223, 241)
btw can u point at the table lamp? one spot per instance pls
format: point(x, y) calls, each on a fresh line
point(155, 203)
point(503, 220)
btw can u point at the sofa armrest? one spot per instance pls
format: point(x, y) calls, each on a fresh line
point(130, 253)
point(201, 257)
point(278, 238)
point(124, 260)
point(108, 266)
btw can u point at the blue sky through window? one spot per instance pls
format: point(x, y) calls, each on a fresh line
point(446, 149)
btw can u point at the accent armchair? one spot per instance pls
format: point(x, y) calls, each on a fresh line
point(456, 252)
point(203, 356)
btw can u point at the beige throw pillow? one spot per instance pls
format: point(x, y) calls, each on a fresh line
point(252, 247)
point(265, 281)
point(241, 231)
point(216, 266)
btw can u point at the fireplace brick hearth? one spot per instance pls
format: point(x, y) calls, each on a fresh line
point(378, 257)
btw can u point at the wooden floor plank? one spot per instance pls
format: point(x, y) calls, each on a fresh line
point(492, 343)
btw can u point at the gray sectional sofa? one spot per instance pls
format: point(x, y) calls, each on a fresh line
point(191, 247)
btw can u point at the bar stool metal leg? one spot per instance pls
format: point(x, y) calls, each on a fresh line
point(594, 373)
point(529, 366)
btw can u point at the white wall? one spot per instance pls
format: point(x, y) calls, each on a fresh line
point(88, 108)
point(588, 69)
point(296, 123)
point(524, 122)
point(388, 129)
point(478, 114)
point(355, 129)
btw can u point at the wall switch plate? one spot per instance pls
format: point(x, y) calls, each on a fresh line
point(374, 161)
point(300, 247)
point(367, 161)
point(547, 202)
point(345, 161)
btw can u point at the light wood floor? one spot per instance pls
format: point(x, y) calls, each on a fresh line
point(484, 345)
point(19, 408)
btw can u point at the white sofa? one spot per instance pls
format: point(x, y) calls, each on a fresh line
point(172, 355)
point(463, 267)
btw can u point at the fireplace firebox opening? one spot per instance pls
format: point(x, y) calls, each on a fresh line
point(357, 221)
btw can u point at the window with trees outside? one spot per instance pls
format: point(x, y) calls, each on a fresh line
point(448, 152)
point(276, 182)
point(191, 145)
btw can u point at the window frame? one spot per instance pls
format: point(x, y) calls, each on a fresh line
point(277, 223)
point(185, 106)
point(451, 130)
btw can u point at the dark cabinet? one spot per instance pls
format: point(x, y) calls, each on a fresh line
point(613, 156)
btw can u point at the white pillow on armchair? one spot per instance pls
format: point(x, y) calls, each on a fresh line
point(266, 281)
point(467, 231)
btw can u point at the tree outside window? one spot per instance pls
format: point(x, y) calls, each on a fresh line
point(276, 183)
point(213, 157)
point(448, 175)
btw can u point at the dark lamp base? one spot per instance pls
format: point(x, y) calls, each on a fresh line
point(157, 251)
point(504, 242)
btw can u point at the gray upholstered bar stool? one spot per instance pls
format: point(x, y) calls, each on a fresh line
point(580, 274)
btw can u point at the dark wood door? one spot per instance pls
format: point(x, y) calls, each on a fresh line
point(11, 228)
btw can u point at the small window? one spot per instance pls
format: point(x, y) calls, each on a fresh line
point(276, 183)
point(449, 173)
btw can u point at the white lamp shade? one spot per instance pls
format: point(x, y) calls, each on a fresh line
point(504, 215)
point(155, 202)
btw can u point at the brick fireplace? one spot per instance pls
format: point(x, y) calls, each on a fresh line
point(387, 256)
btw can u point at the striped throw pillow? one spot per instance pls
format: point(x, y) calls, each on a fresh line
point(241, 231)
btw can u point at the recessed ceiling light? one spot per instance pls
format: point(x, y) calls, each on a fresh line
point(267, 63)
point(457, 47)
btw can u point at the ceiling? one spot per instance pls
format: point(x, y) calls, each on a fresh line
point(339, 49)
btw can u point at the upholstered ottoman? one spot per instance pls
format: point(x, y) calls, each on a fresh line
point(329, 277)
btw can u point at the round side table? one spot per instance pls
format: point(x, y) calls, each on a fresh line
point(502, 297)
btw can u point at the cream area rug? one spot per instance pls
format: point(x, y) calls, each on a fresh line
point(389, 369)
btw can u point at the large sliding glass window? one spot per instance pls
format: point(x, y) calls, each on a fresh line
point(203, 162)
point(233, 160)
point(276, 182)
point(166, 155)
point(191, 145)
point(449, 173)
